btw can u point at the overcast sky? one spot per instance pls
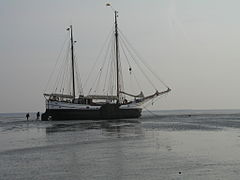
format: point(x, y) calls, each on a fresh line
point(192, 44)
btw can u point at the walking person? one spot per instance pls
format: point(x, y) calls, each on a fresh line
point(27, 116)
point(38, 115)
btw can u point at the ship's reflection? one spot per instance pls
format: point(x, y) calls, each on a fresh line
point(109, 126)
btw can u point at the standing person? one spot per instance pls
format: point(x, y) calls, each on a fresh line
point(38, 115)
point(27, 116)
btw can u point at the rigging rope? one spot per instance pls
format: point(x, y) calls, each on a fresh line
point(65, 76)
point(107, 73)
point(78, 77)
point(102, 67)
point(156, 99)
point(156, 115)
point(62, 67)
point(54, 68)
point(130, 68)
point(98, 56)
point(122, 40)
point(141, 59)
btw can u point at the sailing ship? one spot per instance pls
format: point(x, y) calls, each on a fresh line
point(115, 105)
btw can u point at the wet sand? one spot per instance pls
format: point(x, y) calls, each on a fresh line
point(167, 145)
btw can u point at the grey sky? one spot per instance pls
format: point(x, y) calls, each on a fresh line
point(193, 45)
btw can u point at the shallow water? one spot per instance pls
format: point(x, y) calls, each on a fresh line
point(160, 145)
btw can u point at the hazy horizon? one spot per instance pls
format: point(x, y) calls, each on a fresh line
point(191, 45)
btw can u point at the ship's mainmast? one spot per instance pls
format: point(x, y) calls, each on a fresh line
point(117, 51)
point(117, 54)
point(72, 58)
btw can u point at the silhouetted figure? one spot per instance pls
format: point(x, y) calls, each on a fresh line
point(27, 116)
point(38, 115)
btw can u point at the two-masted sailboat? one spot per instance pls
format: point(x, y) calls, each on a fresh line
point(115, 105)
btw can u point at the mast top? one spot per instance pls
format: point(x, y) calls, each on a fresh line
point(109, 5)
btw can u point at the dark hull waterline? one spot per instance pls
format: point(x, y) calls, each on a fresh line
point(76, 114)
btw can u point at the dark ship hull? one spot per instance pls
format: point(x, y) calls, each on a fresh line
point(104, 113)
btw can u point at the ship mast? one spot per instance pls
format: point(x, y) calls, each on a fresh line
point(117, 50)
point(72, 58)
point(117, 55)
